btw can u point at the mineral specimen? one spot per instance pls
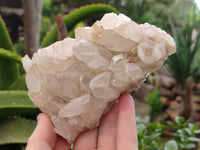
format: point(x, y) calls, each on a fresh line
point(74, 81)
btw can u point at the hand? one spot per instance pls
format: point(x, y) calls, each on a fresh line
point(117, 131)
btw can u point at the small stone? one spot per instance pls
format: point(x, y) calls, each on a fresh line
point(196, 98)
point(167, 81)
point(177, 90)
point(166, 92)
point(198, 124)
point(198, 86)
point(143, 91)
point(172, 113)
point(165, 101)
point(196, 116)
point(174, 105)
point(196, 106)
point(179, 99)
point(76, 81)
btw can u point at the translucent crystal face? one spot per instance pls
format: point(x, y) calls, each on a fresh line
point(75, 80)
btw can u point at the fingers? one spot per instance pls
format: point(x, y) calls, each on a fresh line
point(43, 136)
point(86, 141)
point(108, 130)
point(61, 144)
point(127, 131)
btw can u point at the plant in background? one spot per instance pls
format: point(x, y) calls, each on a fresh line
point(181, 64)
point(74, 18)
point(184, 65)
point(155, 104)
point(149, 138)
point(185, 133)
point(8, 67)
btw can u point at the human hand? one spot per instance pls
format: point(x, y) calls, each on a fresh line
point(117, 131)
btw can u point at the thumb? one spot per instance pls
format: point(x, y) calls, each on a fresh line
point(43, 137)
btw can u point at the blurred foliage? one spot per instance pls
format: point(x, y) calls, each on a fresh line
point(185, 133)
point(72, 32)
point(185, 62)
point(150, 137)
point(19, 48)
point(156, 12)
point(74, 18)
point(155, 104)
point(46, 24)
point(51, 8)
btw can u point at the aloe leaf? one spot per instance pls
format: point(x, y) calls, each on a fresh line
point(10, 55)
point(16, 103)
point(9, 69)
point(17, 130)
point(72, 32)
point(5, 41)
point(19, 84)
point(75, 17)
point(9, 72)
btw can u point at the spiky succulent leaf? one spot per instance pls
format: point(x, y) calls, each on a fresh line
point(16, 103)
point(9, 70)
point(14, 131)
point(75, 17)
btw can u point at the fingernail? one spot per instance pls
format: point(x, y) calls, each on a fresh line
point(38, 118)
point(130, 96)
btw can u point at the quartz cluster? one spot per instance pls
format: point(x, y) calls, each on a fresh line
point(75, 81)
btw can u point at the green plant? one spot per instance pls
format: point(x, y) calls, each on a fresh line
point(185, 133)
point(46, 23)
point(9, 69)
point(155, 104)
point(75, 17)
point(171, 145)
point(184, 65)
point(72, 32)
point(19, 48)
point(149, 136)
point(181, 64)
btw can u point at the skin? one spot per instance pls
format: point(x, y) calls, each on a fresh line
point(117, 131)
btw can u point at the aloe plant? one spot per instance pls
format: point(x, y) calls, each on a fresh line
point(10, 55)
point(16, 130)
point(19, 84)
point(9, 69)
point(16, 103)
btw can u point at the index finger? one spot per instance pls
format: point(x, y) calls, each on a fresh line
point(127, 130)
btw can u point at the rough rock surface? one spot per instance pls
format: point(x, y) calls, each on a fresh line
point(74, 81)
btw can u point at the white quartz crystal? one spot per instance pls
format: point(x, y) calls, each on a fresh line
point(74, 81)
